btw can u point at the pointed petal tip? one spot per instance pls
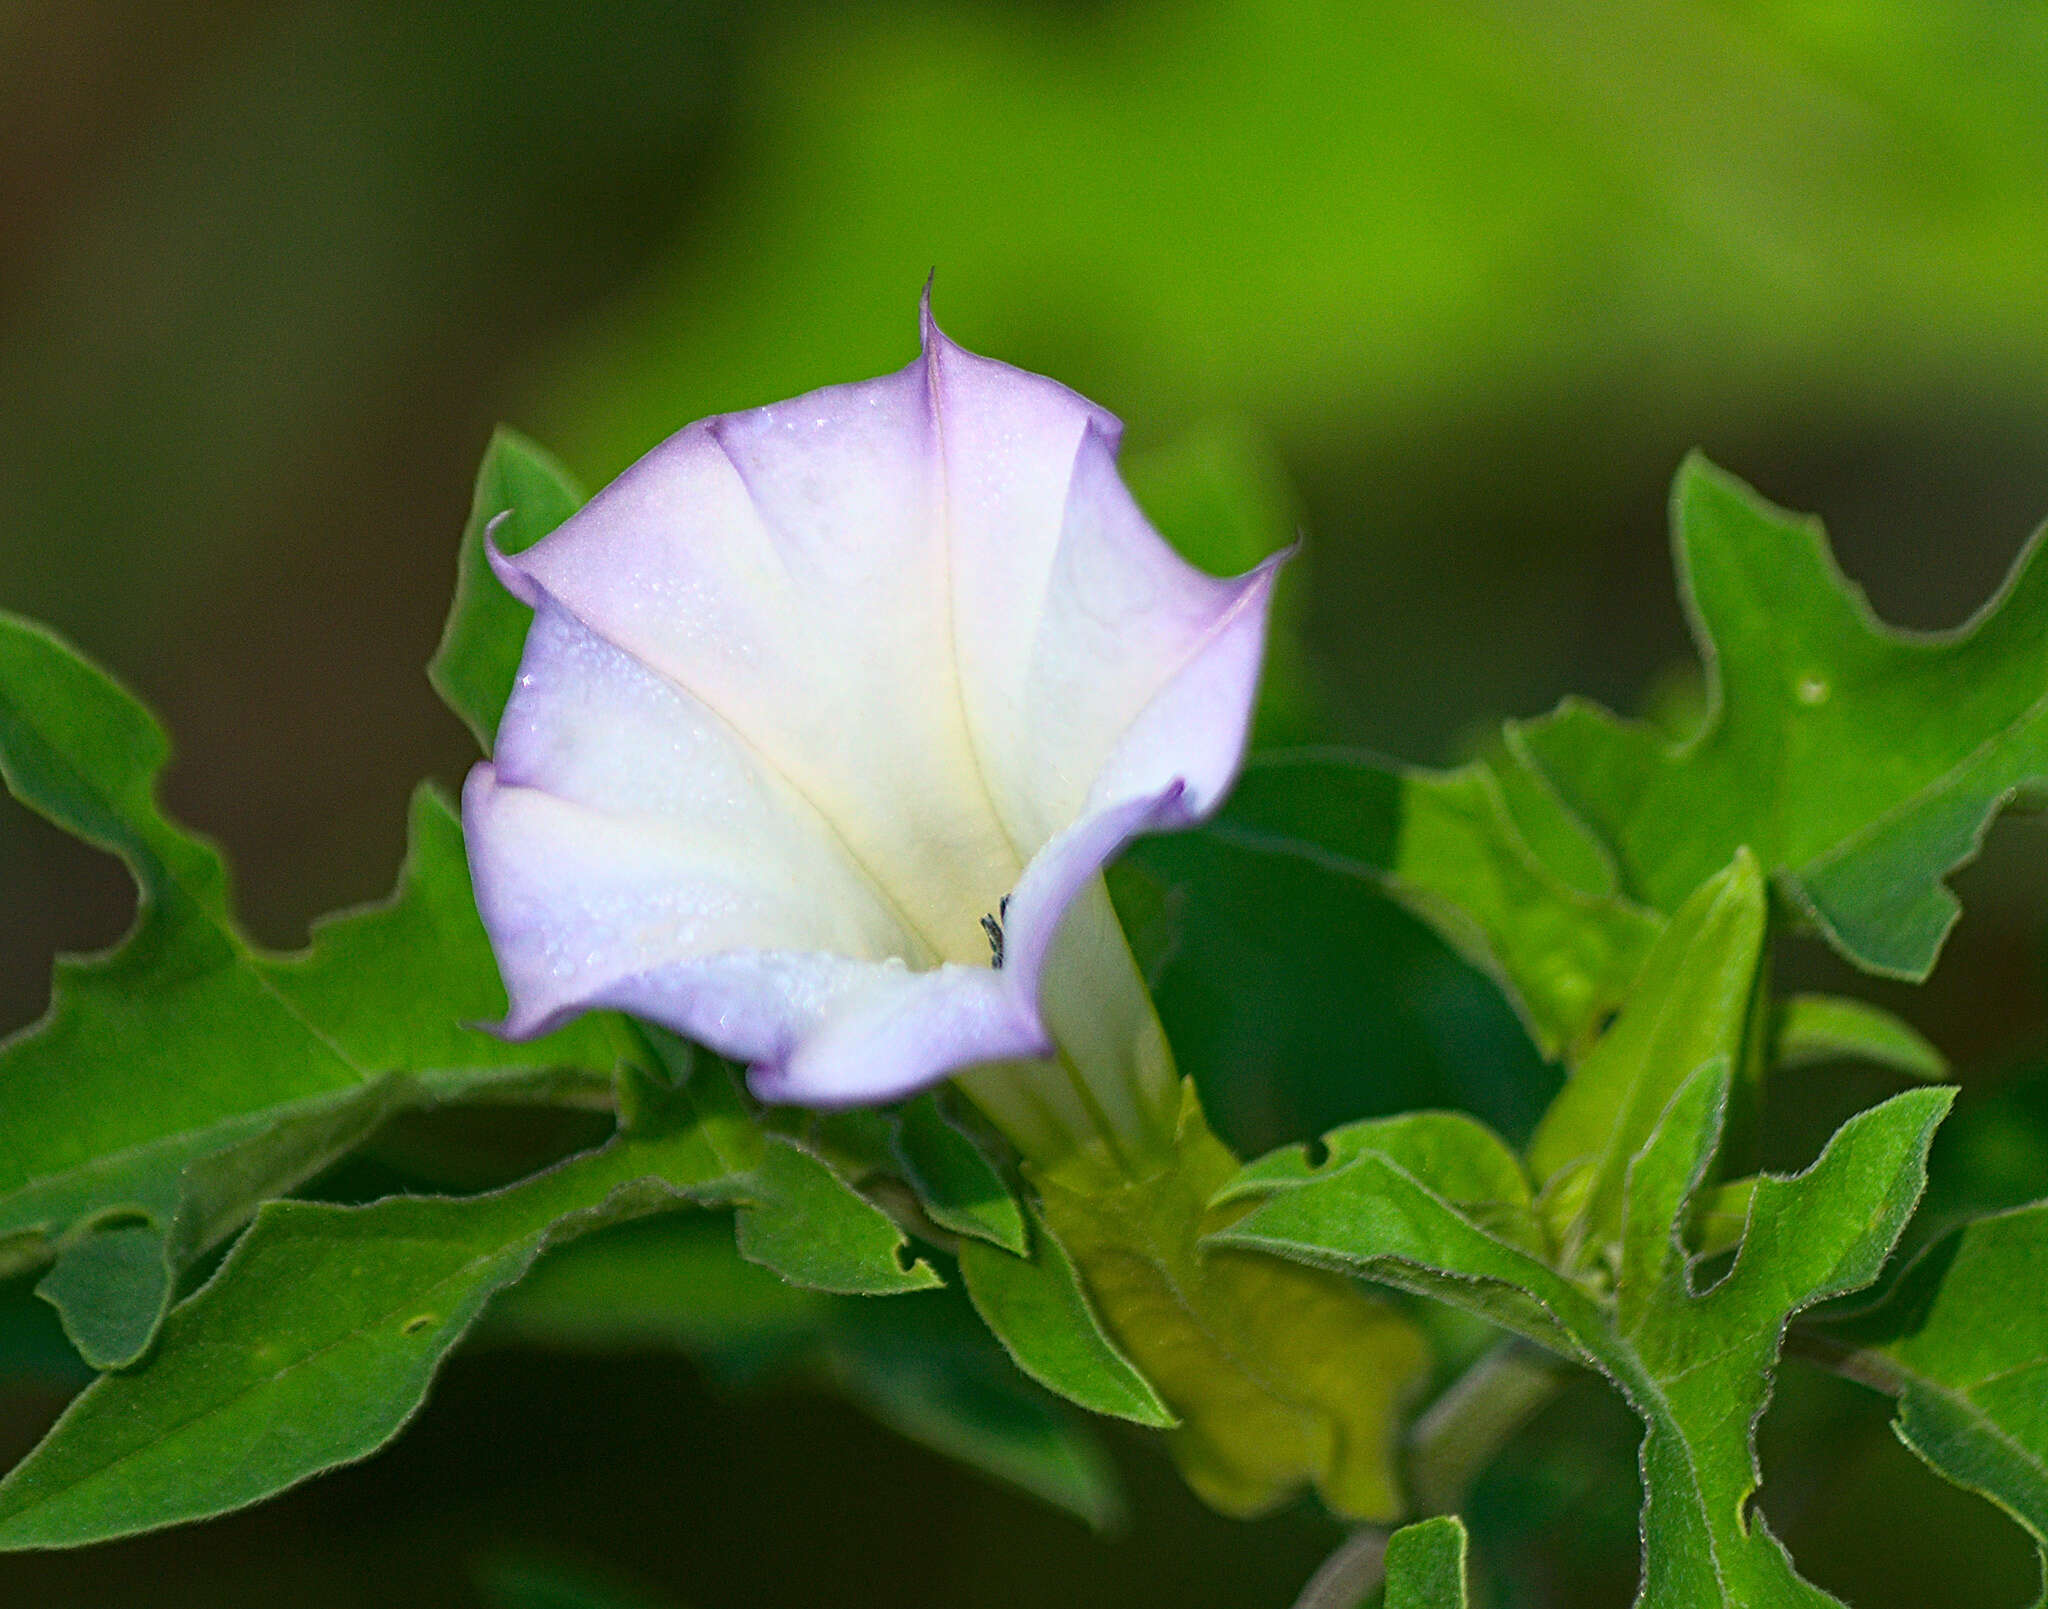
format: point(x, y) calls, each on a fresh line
point(935, 344)
point(519, 1028)
point(930, 338)
point(1279, 558)
point(511, 576)
point(1256, 584)
point(523, 1024)
point(768, 1082)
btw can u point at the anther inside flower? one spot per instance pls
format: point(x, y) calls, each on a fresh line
point(812, 690)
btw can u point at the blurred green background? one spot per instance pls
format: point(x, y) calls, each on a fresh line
point(1474, 275)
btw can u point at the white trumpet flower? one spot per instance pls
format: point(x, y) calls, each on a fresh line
point(830, 716)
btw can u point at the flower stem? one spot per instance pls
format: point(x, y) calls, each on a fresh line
point(1354, 1569)
point(1462, 1431)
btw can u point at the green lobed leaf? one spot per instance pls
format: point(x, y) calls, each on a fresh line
point(924, 1364)
point(1696, 1365)
point(109, 1289)
point(1690, 1005)
point(1562, 844)
point(1860, 763)
point(1457, 1156)
point(184, 1075)
point(1809, 1029)
point(956, 1184)
point(798, 1213)
point(1281, 1377)
point(1962, 1341)
point(801, 1219)
point(1549, 927)
point(1036, 1306)
point(317, 1339)
point(521, 495)
point(1719, 1215)
point(1426, 1565)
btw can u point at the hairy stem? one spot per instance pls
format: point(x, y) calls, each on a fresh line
point(1358, 1565)
point(1463, 1429)
point(1866, 1368)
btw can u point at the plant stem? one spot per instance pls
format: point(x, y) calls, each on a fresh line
point(1358, 1565)
point(1464, 1428)
point(1869, 1369)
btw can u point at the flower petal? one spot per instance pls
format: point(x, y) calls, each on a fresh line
point(622, 827)
point(788, 567)
point(895, 1032)
point(1074, 617)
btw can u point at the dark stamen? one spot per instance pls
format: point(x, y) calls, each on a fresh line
point(993, 927)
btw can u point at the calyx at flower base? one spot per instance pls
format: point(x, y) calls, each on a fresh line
point(1282, 1375)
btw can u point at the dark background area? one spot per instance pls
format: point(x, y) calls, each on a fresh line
point(1478, 274)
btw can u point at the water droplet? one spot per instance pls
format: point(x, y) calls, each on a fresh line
point(1812, 689)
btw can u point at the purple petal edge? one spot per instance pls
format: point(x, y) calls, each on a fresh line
point(823, 1030)
point(922, 1027)
point(510, 576)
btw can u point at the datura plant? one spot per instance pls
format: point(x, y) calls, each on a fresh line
point(810, 742)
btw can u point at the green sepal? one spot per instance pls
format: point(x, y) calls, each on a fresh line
point(1281, 1377)
point(1457, 1156)
point(669, 1086)
point(798, 1217)
point(1037, 1307)
point(955, 1182)
point(859, 1141)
